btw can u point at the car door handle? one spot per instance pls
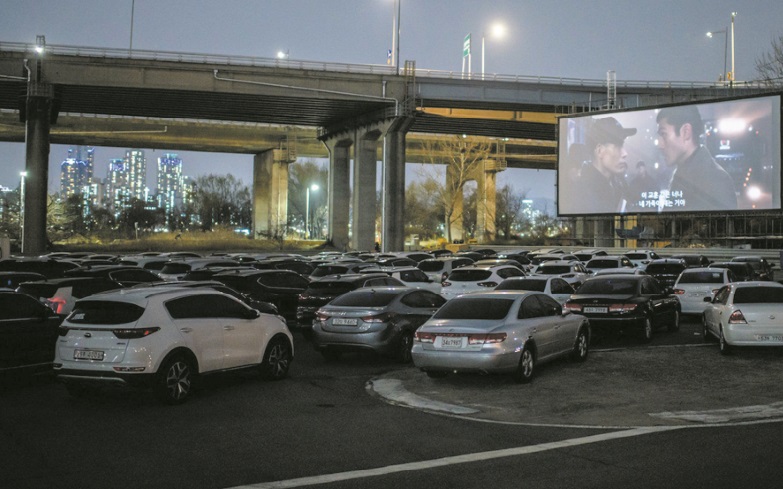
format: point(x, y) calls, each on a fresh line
point(228, 328)
point(186, 330)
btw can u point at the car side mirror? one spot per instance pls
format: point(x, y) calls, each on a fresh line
point(252, 314)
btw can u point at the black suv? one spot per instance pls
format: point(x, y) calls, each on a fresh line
point(323, 290)
point(666, 270)
point(279, 287)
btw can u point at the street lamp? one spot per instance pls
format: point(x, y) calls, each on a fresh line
point(312, 187)
point(283, 54)
point(725, 47)
point(497, 31)
point(733, 73)
point(21, 208)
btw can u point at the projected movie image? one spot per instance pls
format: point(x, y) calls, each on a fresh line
point(716, 156)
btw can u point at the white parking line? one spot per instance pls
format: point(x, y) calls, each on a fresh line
point(458, 459)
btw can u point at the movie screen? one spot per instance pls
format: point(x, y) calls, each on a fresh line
point(715, 156)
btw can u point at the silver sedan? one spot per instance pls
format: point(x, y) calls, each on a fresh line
point(745, 314)
point(499, 332)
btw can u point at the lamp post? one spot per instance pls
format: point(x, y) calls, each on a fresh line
point(497, 31)
point(396, 36)
point(21, 208)
point(312, 187)
point(733, 73)
point(725, 48)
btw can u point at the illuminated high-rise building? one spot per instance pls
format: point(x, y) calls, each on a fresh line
point(170, 182)
point(76, 170)
point(136, 167)
point(118, 188)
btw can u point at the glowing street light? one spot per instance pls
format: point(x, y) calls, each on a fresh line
point(312, 187)
point(497, 31)
point(725, 47)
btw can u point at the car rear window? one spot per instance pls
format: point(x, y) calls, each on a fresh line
point(322, 271)
point(602, 264)
point(469, 275)
point(553, 270)
point(750, 295)
point(365, 298)
point(525, 284)
point(636, 256)
point(474, 308)
point(671, 269)
point(330, 288)
point(430, 266)
point(105, 312)
point(701, 278)
point(608, 286)
point(38, 289)
point(175, 268)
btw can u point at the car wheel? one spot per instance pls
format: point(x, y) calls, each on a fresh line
point(406, 343)
point(174, 381)
point(277, 359)
point(582, 345)
point(724, 347)
point(647, 330)
point(436, 374)
point(527, 367)
point(675, 324)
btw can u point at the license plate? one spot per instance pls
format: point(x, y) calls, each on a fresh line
point(769, 337)
point(88, 355)
point(451, 342)
point(345, 322)
point(595, 309)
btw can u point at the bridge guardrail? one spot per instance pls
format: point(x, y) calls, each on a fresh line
point(141, 54)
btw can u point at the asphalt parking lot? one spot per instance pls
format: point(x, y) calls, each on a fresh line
point(677, 379)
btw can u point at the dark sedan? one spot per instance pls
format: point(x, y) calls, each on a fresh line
point(279, 287)
point(28, 333)
point(618, 303)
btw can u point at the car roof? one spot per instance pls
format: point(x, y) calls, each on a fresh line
point(142, 295)
point(350, 277)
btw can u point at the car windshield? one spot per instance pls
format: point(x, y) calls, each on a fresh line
point(602, 264)
point(330, 288)
point(609, 286)
point(175, 268)
point(636, 256)
point(105, 312)
point(474, 308)
point(523, 284)
point(430, 266)
point(322, 271)
point(701, 278)
point(472, 275)
point(672, 269)
point(553, 270)
point(365, 298)
point(750, 295)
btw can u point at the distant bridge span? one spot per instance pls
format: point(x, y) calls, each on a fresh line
point(280, 109)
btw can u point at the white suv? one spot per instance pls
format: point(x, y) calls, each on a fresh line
point(477, 278)
point(164, 338)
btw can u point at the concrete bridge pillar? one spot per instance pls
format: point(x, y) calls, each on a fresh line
point(365, 173)
point(270, 194)
point(486, 202)
point(339, 190)
point(393, 188)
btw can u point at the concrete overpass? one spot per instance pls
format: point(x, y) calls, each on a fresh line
point(278, 110)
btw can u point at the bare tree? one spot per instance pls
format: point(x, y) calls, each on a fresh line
point(453, 161)
point(769, 66)
point(508, 209)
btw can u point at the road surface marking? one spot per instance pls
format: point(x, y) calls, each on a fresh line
point(729, 415)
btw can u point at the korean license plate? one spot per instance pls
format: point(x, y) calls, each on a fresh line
point(88, 355)
point(769, 337)
point(602, 310)
point(345, 321)
point(451, 341)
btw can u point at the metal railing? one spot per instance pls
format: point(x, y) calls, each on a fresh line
point(220, 59)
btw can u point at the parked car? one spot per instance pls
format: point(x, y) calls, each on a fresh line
point(694, 285)
point(621, 271)
point(608, 261)
point(745, 314)
point(299, 266)
point(28, 333)
point(694, 260)
point(588, 254)
point(279, 287)
point(11, 280)
point(762, 267)
point(124, 276)
point(472, 278)
point(499, 332)
point(742, 270)
point(641, 258)
point(153, 263)
point(555, 287)
point(338, 268)
point(320, 292)
point(176, 269)
point(260, 306)
point(410, 276)
point(381, 320)
point(48, 267)
point(164, 338)
point(60, 294)
point(619, 303)
point(440, 268)
point(666, 270)
point(573, 272)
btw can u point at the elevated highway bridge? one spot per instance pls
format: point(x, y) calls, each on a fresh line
point(278, 110)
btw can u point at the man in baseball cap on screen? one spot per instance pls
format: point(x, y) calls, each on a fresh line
point(603, 181)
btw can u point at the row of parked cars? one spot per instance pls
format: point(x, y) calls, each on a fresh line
point(114, 321)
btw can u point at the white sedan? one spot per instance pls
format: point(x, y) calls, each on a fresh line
point(573, 272)
point(499, 332)
point(554, 287)
point(695, 284)
point(745, 314)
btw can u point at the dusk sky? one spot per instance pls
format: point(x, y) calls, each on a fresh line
point(661, 40)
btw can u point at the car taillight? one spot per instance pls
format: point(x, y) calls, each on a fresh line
point(737, 318)
point(56, 304)
point(488, 284)
point(573, 307)
point(622, 307)
point(424, 337)
point(678, 291)
point(483, 339)
point(320, 316)
point(133, 333)
point(378, 318)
